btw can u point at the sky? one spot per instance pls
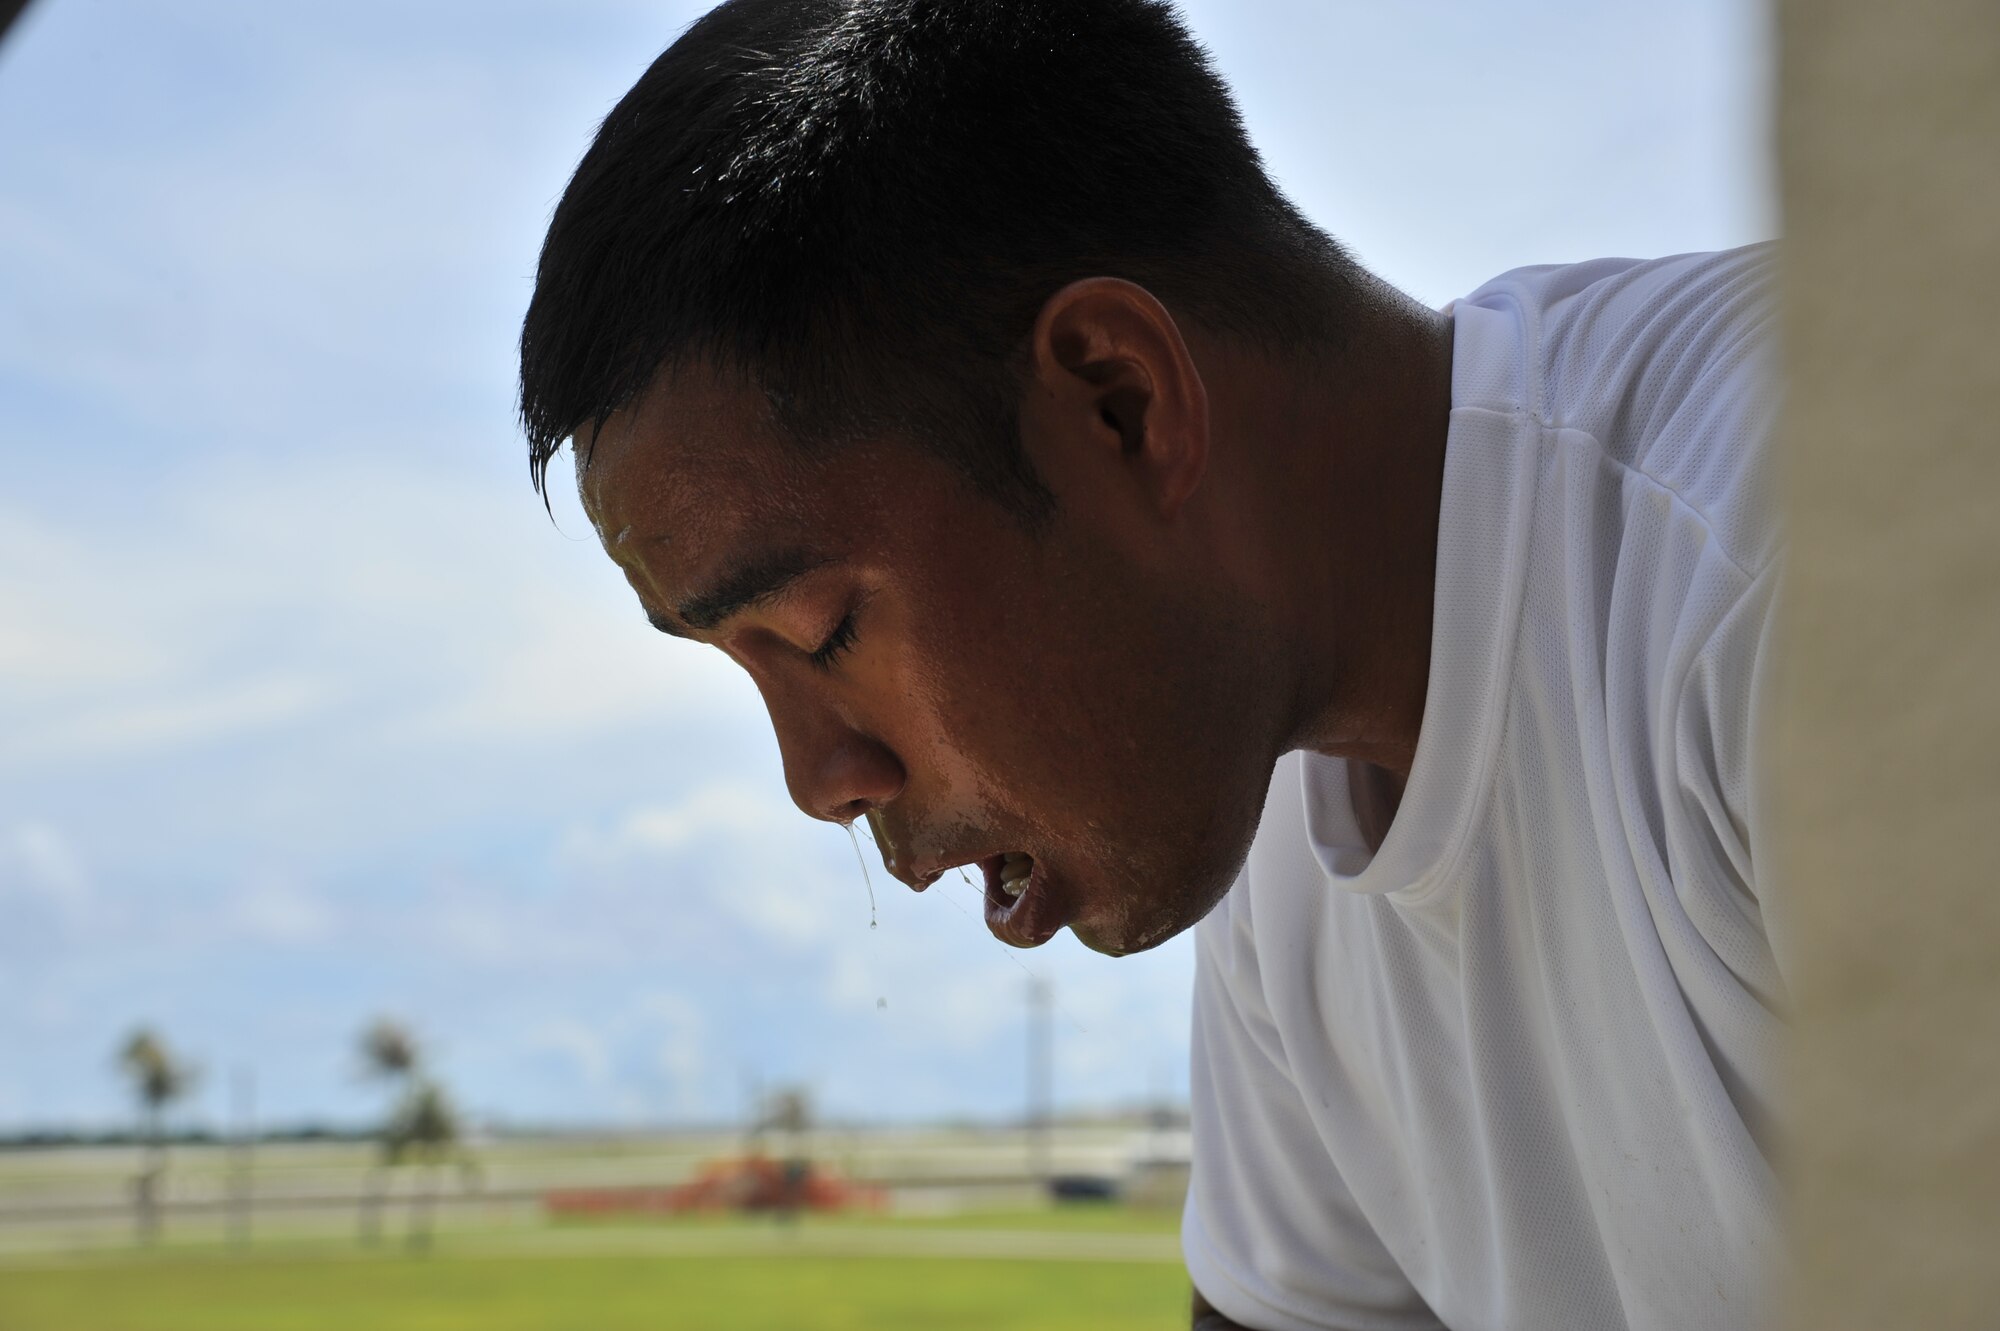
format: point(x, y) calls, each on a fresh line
point(309, 713)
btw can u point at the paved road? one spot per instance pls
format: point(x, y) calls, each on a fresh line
point(1004, 1244)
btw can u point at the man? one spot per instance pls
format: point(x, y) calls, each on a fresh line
point(1083, 512)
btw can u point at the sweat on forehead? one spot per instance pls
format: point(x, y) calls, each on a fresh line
point(695, 454)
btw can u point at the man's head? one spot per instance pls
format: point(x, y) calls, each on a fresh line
point(885, 331)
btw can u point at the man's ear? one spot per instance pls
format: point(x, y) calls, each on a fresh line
point(1120, 379)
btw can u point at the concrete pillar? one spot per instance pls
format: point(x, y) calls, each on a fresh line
point(1887, 739)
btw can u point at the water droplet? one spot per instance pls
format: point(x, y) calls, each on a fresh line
point(881, 1003)
point(862, 860)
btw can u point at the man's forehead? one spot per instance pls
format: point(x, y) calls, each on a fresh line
point(690, 456)
point(674, 518)
point(693, 578)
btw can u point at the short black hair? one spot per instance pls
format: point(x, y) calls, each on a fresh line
point(862, 205)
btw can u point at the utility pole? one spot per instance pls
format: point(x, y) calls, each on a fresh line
point(1041, 1077)
point(243, 1088)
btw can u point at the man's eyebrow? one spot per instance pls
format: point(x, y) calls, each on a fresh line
point(756, 579)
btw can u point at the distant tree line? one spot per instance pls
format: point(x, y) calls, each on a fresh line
point(55, 1139)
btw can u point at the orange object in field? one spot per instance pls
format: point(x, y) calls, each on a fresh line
point(743, 1183)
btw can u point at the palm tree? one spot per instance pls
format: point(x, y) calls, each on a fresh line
point(389, 1053)
point(388, 1050)
point(425, 1129)
point(158, 1079)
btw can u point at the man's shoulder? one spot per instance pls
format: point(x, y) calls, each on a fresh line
point(1573, 306)
point(1669, 365)
point(1615, 342)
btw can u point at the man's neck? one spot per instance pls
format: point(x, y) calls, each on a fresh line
point(1363, 484)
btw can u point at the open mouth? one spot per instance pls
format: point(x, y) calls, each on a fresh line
point(1018, 909)
point(1008, 874)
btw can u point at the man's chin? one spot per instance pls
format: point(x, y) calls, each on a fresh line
point(1125, 937)
point(1124, 913)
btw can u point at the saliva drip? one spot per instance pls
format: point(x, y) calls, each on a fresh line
point(1019, 964)
point(875, 835)
point(869, 882)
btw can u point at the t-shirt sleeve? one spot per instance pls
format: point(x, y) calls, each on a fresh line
point(1272, 1237)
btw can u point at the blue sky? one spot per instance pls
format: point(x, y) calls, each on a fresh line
point(308, 713)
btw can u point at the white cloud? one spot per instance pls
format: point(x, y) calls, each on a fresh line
point(278, 910)
point(38, 861)
point(55, 637)
point(440, 614)
point(718, 811)
point(682, 1053)
point(93, 733)
point(581, 1046)
point(742, 851)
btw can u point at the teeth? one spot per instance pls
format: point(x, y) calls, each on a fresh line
point(1014, 870)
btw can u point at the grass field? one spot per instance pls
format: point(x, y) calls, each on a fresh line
point(948, 1256)
point(1104, 1269)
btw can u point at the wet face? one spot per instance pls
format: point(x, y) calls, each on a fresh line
point(1070, 709)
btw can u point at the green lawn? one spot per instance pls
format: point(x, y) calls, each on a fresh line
point(191, 1292)
point(839, 1273)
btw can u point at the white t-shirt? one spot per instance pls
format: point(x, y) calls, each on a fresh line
point(1516, 1069)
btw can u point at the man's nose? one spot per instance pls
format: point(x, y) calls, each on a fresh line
point(833, 770)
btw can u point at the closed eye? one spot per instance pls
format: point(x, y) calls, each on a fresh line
point(837, 643)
